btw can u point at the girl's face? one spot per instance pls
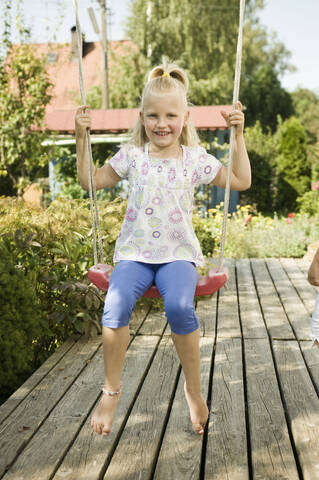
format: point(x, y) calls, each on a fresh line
point(164, 117)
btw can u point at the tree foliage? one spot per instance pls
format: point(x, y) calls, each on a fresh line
point(292, 165)
point(306, 105)
point(201, 37)
point(261, 148)
point(24, 94)
point(127, 76)
point(265, 98)
point(20, 325)
point(280, 167)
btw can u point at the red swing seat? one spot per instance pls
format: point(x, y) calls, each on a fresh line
point(100, 274)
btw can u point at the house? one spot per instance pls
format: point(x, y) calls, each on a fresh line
point(62, 67)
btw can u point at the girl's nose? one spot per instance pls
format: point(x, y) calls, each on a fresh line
point(161, 122)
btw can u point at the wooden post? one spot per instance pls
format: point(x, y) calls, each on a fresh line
point(105, 83)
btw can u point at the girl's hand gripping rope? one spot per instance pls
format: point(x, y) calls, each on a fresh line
point(235, 119)
point(82, 121)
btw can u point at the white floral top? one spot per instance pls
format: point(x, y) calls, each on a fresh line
point(157, 227)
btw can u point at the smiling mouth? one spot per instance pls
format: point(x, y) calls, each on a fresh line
point(162, 134)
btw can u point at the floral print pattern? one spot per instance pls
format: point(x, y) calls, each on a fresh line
point(156, 200)
point(176, 235)
point(158, 223)
point(175, 216)
point(145, 168)
point(171, 174)
point(131, 214)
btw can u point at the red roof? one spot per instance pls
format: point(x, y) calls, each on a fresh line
point(122, 120)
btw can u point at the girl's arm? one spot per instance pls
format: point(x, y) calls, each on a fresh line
point(105, 177)
point(313, 272)
point(241, 174)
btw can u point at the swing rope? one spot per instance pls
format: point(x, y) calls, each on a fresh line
point(95, 219)
point(232, 132)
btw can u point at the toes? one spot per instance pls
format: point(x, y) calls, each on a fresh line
point(199, 428)
point(100, 428)
point(97, 427)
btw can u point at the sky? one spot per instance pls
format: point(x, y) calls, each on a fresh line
point(294, 21)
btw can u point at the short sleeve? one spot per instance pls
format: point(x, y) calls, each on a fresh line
point(207, 167)
point(121, 162)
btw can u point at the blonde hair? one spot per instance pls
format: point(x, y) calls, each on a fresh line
point(165, 78)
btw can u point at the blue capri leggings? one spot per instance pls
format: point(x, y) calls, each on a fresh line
point(176, 282)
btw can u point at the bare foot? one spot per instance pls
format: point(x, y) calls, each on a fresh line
point(102, 418)
point(198, 410)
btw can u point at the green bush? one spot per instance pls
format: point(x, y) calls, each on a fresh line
point(309, 203)
point(205, 233)
point(52, 251)
point(292, 165)
point(250, 234)
point(20, 322)
point(66, 173)
point(261, 149)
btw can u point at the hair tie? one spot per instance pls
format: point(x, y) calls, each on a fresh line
point(166, 74)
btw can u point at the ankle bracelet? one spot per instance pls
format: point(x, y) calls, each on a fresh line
point(109, 393)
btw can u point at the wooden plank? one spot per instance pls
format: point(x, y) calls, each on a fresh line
point(16, 398)
point(251, 317)
point(206, 306)
point(154, 324)
point(228, 325)
point(89, 453)
point(135, 453)
point(305, 291)
point(18, 428)
point(206, 314)
point(70, 421)
point(311, 357)
point(274, 314)
point(137, 318)
point(294, 308)
point(226, 452)
point(303, 265)
point(302, 405)
point(180, 454)
point(271, 451)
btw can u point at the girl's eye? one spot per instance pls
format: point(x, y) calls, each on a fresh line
point(152, 115)
point(172, 115)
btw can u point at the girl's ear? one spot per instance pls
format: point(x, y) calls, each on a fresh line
point(186, 118)
point(142, 118)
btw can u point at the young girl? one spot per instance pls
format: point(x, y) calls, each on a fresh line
point(157, 243)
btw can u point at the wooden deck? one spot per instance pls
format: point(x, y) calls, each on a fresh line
point(260, 376)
